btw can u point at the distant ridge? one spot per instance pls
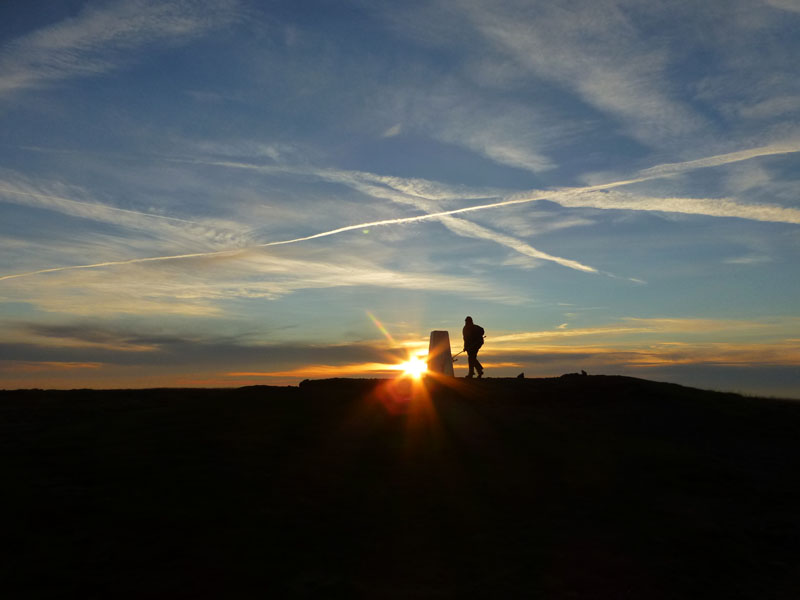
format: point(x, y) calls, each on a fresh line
point(567, 383)
point(513, 386)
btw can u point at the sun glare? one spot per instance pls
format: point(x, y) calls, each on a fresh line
point(415, 367)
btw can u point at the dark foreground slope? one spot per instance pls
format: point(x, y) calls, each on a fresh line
point(578, 487)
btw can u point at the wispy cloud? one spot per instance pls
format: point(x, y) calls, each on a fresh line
point(645, 328)
point(622, 68)
point(561, 333)
point(575, 197)
point(588, 196)
point(212, 280)
point(790, 5)
point(470, 229)
point(770, 108)
point(412, 190)
point(612, 358)
point(712, 207)
point(392, 131)
point(140, 228)
point(650, 343)
point(497, 134)
point(24, 367)
point(725, 354)
point(78, 208)
point(85, 335)
point(667, 169)
point(748, 260)
point(229, 253)
point(415, 195)
point(225, 352)
point(101, 38)
point(309, 371)
point(579, 46)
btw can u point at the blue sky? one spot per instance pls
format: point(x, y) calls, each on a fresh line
point(221, 192)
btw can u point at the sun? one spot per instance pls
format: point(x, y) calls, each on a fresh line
point(414, 367)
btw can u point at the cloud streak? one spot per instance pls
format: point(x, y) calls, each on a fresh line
point(173, 233)
point(418, 195)
point(102, 38)
point(251, 276)
point(710, 207)
point(78, 208)
point(579, 46)
point(664, 170)
point(568, 196)
point(228, 253)
point(664, 327)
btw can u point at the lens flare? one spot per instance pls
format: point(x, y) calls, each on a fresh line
point(381, 328)
point(414, 367)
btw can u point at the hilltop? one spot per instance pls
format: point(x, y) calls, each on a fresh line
point(572, 487)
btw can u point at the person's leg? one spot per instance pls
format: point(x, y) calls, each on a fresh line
point(473, 358)
point(478, 366)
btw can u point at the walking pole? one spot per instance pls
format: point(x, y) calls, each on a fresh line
point(454, 357)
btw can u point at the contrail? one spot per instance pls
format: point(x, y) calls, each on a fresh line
point(385, 222)
point(131, 261)
point(522, 198)
point(666, 169)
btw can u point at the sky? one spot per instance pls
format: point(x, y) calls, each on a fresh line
point(235, 192)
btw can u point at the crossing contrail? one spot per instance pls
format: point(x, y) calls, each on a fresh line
point(399, 221)
point(522, 198)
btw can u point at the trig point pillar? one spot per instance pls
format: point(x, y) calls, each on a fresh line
point(439, 358)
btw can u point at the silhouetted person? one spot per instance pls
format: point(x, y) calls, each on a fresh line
point(473, 340)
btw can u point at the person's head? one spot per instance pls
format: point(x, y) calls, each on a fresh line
point(468, 320)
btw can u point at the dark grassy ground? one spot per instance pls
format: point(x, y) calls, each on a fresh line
point(577, 487)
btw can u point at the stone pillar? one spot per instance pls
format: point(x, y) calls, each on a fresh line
point(439, 358)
